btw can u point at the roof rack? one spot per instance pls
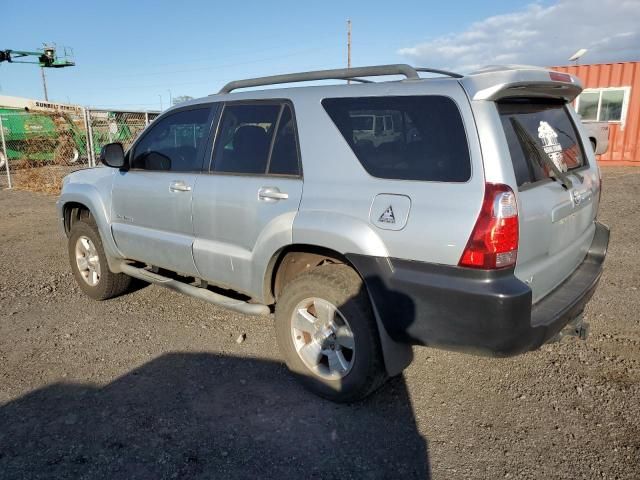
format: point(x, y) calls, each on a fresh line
point(336, 74)
point(441, 72)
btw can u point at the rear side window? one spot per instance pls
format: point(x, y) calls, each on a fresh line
point(548, 124)
point(174, 143)
point(284, 157)
point(404, 138)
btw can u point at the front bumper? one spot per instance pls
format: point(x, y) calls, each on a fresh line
point(484, 312)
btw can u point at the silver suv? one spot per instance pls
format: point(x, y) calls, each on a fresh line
point(452, 211)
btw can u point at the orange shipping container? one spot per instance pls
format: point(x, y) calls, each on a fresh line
point(612, 94)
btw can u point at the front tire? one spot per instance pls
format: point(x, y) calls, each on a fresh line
point(328, 334)
point(89, 262)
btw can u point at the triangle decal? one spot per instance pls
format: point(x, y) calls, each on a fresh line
point(387, 216)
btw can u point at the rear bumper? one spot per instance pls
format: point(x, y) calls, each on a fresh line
point(484, 312)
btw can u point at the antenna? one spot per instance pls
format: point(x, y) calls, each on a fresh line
point(349, 46)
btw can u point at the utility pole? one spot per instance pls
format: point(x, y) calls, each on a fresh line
point(44, 84)
point(349, 46)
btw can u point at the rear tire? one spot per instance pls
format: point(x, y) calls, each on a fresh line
point(326, 311)
point(89, 262)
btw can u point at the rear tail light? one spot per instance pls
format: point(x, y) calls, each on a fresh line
point(494, 239)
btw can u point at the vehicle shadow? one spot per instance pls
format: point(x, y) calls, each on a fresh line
point(200, 415)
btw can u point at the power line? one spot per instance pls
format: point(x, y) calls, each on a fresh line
point(251, 51)
point(208, 80)
point(224, 65)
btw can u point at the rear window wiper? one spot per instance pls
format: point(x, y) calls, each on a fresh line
point(532, 148)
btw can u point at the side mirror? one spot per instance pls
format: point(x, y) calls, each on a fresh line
point(112, 155)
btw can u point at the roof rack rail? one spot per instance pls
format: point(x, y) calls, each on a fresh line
point(335, 74)
point(441, 72)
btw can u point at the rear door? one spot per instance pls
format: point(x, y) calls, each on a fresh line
point(243, 210)
point(556, 221)
point(152, 201)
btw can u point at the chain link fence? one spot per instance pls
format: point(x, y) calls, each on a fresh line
point(38, 148)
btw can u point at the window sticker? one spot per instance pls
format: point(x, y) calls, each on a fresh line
point(551, 145)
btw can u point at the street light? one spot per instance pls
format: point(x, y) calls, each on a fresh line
point(576, 56)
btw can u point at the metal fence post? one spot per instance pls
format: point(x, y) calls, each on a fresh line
point(6, 156)
point(87, 140)
point(146, 119)
point(92, 158)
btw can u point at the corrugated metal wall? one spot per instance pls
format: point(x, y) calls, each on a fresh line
point(624, 140)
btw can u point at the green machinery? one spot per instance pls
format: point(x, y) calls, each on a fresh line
point(42, 137)
point(51, 133)
point(48, 57)
point(59, 137)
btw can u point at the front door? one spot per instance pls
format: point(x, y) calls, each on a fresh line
point(243, 210)
point(152, 201)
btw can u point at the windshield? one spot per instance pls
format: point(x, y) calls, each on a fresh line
point(548, 123)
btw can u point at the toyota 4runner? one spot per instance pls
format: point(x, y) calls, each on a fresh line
point(451, 211)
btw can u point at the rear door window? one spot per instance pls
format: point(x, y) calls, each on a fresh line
point(244, 138)
point(404, 138)
point(548, 124)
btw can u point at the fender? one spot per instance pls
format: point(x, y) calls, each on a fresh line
point(318, 228)
point(342, 233)
point(91, 197)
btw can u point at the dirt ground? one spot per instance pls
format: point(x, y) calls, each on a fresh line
point(153, 384)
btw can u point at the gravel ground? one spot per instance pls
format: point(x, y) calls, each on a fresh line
point(154, 385)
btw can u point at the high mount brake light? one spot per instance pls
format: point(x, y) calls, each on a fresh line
point(560, 77)
point(494, 240)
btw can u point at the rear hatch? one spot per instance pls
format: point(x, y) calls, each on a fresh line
point(531, 141)
point(557, 190)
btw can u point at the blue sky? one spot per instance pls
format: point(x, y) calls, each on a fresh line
point(131, 53)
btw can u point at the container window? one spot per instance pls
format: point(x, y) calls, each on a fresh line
point(611, 106)
point(588, 108)
point(603, 104)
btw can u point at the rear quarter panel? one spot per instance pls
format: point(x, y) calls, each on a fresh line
point(338, 193)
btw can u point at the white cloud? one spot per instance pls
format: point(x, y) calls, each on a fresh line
point(539, 35)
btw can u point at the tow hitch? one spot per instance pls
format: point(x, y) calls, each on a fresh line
point(575, 328)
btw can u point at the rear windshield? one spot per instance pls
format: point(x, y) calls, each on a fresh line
point(548, 124)
point(406, 138)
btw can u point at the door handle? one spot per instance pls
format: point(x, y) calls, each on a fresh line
point(272, 193)
point(179, 186)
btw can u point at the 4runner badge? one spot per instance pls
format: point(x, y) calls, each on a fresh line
point(387, 216)
point(551, 145)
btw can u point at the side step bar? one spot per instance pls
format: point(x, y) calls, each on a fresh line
point(201, 293)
